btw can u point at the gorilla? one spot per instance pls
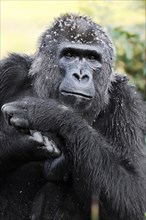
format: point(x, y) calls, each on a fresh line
point(70, 129)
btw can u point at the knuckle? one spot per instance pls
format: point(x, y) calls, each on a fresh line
point(7, 109)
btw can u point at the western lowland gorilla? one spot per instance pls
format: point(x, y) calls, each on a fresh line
point(70, 129)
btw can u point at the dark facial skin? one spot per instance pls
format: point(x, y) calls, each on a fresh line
point(78, 63)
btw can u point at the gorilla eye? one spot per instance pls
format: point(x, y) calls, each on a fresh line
point(91, 57)
point(69, 55)
point(94, 57)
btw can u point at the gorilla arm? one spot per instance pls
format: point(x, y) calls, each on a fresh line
point(101, 168)
point(17, 147)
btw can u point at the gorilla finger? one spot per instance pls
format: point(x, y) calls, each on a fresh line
point(19, 123)
point(37, 136)
point(40, 154)
point(51, 147)
point(47, 145)
point(44, 144)
point(36, 142)
point(8, 112)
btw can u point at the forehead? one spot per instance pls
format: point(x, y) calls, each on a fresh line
point(73, 22)
point(75, 29)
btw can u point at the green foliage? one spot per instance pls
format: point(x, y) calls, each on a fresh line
point(130, 56)
point(125, 23)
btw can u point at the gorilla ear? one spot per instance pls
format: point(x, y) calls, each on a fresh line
point(112, 76)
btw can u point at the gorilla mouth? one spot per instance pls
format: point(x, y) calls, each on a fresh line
point(77, 94)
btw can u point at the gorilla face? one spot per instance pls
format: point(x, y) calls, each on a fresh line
point(74, 64)
point(78, 63)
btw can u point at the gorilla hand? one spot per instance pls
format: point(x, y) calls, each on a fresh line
point(47, 145)
point(16, 113)
point(29, 144)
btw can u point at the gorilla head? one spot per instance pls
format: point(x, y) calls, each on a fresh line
point(74, 64)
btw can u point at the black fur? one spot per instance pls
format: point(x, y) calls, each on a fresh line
point(102, 142)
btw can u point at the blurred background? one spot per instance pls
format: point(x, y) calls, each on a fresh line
point(23, 21)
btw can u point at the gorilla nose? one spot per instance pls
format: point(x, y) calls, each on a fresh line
point(80, 77)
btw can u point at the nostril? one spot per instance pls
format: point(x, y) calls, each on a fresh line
point(85, 78)
point(76, 76)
